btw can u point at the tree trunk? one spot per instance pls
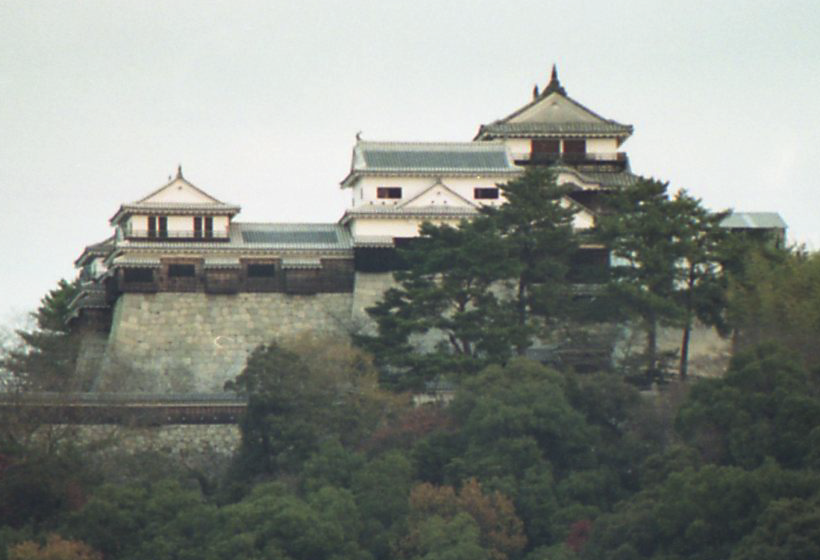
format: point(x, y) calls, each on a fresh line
point(683, 367)
point(522, 310)
point(684, 348)
point(652, 345)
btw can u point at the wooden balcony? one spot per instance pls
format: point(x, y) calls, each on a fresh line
point(176, 235)
point(616, 160)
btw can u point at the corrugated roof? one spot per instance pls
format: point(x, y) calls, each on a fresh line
point(754, 220)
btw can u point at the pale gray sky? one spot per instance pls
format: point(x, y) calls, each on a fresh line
point(260, 102)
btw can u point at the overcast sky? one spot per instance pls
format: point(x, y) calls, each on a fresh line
point(260, 102)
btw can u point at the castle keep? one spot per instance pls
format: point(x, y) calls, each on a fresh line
point(182, 292)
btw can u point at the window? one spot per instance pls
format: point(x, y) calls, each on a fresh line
point(545, 147)
point(575, 146)
point(181, 270)
point(152, 226)
point(485, 193)
point(209, 227)
point(139, 275)
point(163, 226)
point(388, 192)
point(261, 270)
point(197, 227)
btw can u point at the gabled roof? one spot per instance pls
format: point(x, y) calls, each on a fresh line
point(178, 197)
point(437, 194)
point(553, 114)
point(429, 158)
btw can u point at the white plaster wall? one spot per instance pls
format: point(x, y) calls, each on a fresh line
point(412, 186)
point(518, 145)
point(181, 223)
point(602, 145)
point(180, 191)
point(139, 223)
point(221, 224)
point(399, 227)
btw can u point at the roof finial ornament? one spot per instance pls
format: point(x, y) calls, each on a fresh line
point(358, 136)
point(535, 91)
point(555, 85)
point(179, 171)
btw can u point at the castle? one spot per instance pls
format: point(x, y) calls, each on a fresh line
point(181, 293)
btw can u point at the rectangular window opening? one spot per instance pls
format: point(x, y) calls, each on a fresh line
point(485, 193)
point(209, 226)
point(575, 146)
point(181, 270)
point(139, 275)
point(197, 227)
point(388, 192)
point(152, 226)
point(163, 226)
point(261, 270)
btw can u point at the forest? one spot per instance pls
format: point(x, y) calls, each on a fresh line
point(530, 460)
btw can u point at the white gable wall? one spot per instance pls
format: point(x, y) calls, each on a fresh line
point(555, 109)
point(138, 224)
point(365, 190)
point(180, 190)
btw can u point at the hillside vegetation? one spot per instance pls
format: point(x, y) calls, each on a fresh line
point(528, 461)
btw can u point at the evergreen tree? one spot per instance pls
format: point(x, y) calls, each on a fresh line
point(536, 226)
point(444, 303)
point(701, 287)
point(483, 290)
point(47, 358)
point(643, 235)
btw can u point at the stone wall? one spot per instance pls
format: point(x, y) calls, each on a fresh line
point(199, 446)
point(367, 291)
point(195, 342)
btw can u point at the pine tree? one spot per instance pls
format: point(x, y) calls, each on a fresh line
point(47, 358)
point(643, 231)
point(483, 290)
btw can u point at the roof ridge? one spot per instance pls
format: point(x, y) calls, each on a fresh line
point(483, 146)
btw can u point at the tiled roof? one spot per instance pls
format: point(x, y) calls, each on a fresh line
point(301, 263)
point(422, 212)
point(530, 129)
point(445, 158)
point(100, 249)
point(221, 263)
point(753, 220)
point(606, 179)
point(251, 236)
point(374, 241)
point(174, 209)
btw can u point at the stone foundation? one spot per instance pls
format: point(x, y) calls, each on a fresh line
point(208, 447)
point(194, 342)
